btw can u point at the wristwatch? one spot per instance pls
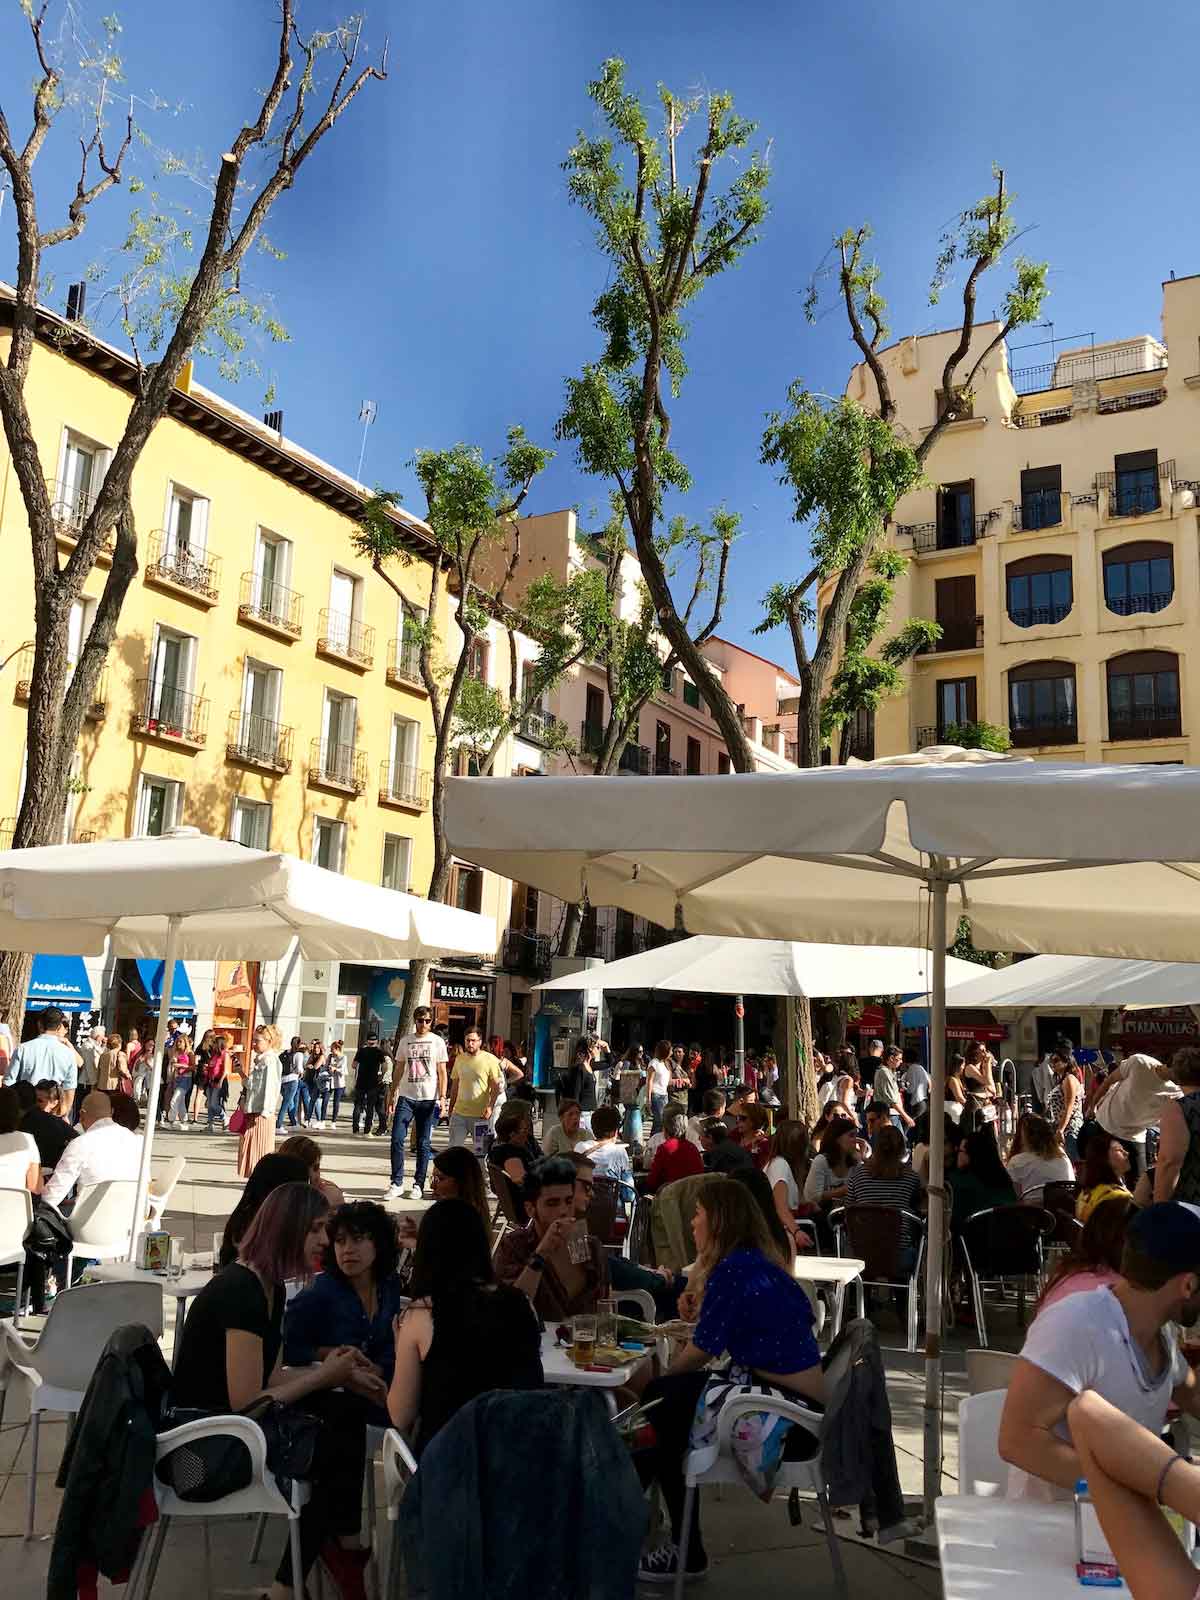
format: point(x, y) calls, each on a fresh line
point(537, 1262)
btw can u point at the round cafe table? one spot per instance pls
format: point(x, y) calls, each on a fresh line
point(839, 1271)
point(560, 1371)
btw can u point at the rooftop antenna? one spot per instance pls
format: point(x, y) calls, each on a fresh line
point(367, 413)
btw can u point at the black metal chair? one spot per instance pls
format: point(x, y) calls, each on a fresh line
point(1059, 1199)
point(1001, 1245)
point(881, 1237)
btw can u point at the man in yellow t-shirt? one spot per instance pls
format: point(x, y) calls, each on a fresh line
point(474, 1084)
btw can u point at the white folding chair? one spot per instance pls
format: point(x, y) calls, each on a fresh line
point(799, 1475)
point(16, 1213)
point(989, 1369)
point(102, 1220)
point(980, 1467)
point(56, 1366)
point(162, 1187)
point(262, 1495)
point(399, 1468)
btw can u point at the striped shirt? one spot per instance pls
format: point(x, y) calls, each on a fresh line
point(899, 1193)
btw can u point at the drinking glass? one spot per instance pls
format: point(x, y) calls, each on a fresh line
point(175, 1258)
point(218, 1241)
point(583, 1340)
point(606, 1322)
point(578, 1250)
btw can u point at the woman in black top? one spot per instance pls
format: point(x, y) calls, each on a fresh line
point(229, 1356)
point(464, 1334)
point(510, 1152)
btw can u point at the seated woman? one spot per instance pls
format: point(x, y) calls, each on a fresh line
point(1102, 1175)
point(979, 1181)
point(457, 1175)
point(1095, 1259)
point(229, 1356)
point(510, 1152)
point(464, 1333)
point(751, 1129)
point(354, 1299)
point(567, 1132)
point(676, 1155)
point(885, 1180)
point(751, 1310)
point(787, 1173)
point(1037, 1158)
point(269, 1174)
point(309, 1151)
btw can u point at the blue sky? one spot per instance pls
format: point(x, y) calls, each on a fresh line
point(435, 266)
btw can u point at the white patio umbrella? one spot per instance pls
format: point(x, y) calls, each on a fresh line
point(187, 895)
point(1086, 982)
point(1092, 860)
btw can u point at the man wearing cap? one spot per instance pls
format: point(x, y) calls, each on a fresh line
point(1115, 1341)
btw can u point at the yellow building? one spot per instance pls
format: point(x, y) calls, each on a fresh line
point(1056, 544)
point(260, 686)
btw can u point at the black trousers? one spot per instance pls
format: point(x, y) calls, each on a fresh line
point(664, 1462)
point(335, 1505)
point(369, 1105)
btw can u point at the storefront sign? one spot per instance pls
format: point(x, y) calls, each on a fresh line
point(461, 991)
point(1171, 1026)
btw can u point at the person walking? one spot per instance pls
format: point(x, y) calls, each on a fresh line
point(474, 1084)
point(293, 1073)
point(368, 1071)
point(314, 1072)
point(662, 1066)
point(216, 1074)
point(260, 1099)
point(1064, 1107)
point(338, 1070)
point(418, 1096)
point(49, 1056)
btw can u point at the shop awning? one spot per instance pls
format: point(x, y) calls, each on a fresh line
point(59, 981)
point(150, 976)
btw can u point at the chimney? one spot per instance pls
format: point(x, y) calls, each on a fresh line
point(274, 421)
point(76, 300)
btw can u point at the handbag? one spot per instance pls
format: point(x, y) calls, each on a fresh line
point(237, 1120)
point(208, 1469)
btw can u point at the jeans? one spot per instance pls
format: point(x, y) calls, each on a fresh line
point(326, 1095)
point(287, 1103)
point(305, 1098)
point(658, 1104)
point(216, 1107)
point(424, 1114)
point(632, 1129)
point(462, 1130)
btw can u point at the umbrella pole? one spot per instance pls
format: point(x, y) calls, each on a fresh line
point(739, 1038)
point(156, 1072)
point(934, 1265)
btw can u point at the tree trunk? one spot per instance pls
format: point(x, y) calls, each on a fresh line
point(439, 880)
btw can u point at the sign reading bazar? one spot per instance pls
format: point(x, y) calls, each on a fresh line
point(461, 991)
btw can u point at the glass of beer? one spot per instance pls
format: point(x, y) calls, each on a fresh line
point(583, 1340)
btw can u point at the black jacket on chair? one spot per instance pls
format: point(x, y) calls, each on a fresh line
point(108, 1464)
point(858, 1453)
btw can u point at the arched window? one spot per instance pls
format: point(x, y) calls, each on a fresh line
point(1143, 695)
point(1139, 577)
point(1039, 589)
point(1041, 704)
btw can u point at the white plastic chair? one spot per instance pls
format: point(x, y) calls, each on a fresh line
point(262, 1495)
point(162, 1187)
point(980, 1468)
point(989, 1369)
point(800, 1475)
point(56, 1366)
point(642, 1298)
point(399, 1468)
point(102, 1220)
point(16, 1213)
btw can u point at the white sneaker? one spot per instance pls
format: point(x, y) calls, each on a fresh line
point(394, 1191)
point(414, 1192)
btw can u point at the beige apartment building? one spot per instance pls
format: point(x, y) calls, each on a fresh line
point(1057, 544)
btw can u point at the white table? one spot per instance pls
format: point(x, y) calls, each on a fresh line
point(562, 1373)
point(995, 1549)
point(840, 1271)
point(179, 1289)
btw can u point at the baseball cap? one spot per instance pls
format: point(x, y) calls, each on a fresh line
point(1169, 1233)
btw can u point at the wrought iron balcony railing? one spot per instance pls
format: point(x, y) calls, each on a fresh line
point(537, 725)
point(164, 711)
point(1049, 730)
point(337, 766)
point(1148, 723)
point(525, 953)
point(1042, 508)
point(70, 507)
point(270, 605)
point(258, 741)
point(591, 738)
point(1133, 605)
point(664, 767)
point(635, 758)
point(24, 682)
point(404, 786)
point(1035, 616)
point(346, 638)
point(404, 661)
point(183, 568)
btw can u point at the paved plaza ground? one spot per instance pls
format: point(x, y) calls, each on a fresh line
point(754, 1548)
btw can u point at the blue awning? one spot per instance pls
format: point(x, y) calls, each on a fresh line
point(59, 981)
point(150, 975)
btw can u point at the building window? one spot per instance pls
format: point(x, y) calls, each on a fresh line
point(1039, 590)
point(251, 823)
point(693, 757)
point(169, 699)
point(466, 888)
point(722, 762)
point(477, 658)
point(397, 862)
point(80, 475)
point(859, 734)
point(956, 704)
point(329, 843)
point(1139, 578)
point(187, 526)
point(270, 596)
point(954, 609)
point(956, 514)
point(1143, 696)
point(339, 727)
point(160, 805)
point(668, 680)
point(1041, 498)
point(1135, 484)
point(662, 748)
point(691, 695)
point(1041, 704)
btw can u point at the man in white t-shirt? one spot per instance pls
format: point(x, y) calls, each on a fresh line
point(1130, 1101)
point(1115, 1340)
point(916, 1085)
point(418, 1094)
point(661, 1067)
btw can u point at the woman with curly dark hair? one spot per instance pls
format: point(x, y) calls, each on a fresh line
point(353, 1300)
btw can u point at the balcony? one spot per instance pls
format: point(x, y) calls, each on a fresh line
point(337, 766)
point(664, 767)
point(526, 954)
point(1036, 616)
point(591, 738)
point(1132, 498)
point(1134, 605)
point(926, 736)
point(408, 787)
point(958, 633)
point(537, 726)
point(404, 663)
point(95, 712)
point(1147, 724)
point(84, 836)
point(70, 507)
point(929, 536)
point(1043, 731)
point(169, 714)
point(345, 639)
point(1089, 366)
point(1043, 508)
point(270, 606)
point(193, 574)
point(255, 741)
point(1041, 419)
point(635, 758)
